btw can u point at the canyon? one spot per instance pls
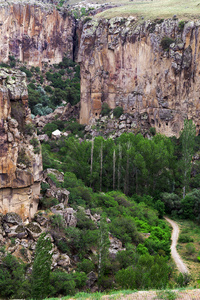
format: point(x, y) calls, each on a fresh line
point(122, 61)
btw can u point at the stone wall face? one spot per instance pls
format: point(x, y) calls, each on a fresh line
point(35, 33)
point(125, 65)
point(20, 166)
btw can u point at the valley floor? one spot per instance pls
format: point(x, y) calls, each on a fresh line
point(179, 294)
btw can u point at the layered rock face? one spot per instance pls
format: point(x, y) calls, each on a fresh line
point(20, 155)
point(125, 65)
point(35, 33)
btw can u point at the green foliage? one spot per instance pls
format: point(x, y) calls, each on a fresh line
point(190, 249)
point(86, 266)
point(105, 109)
point(23, 158)
point(57, 222)
point(29, 129)
point(34, 142)
point(62, 283)
point(40, 279)
point(160, 207)
point(181, 25)
point(148, 272)
point(184, 238)
point(118, 111)
point(152, 130)
point(167, 295)
point(12, 278)
point(187, 141)
point(166, 42)
point(182, 280)
point(26, 71)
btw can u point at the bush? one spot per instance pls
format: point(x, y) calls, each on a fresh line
point(181, 25)
point(62, 284)
point(105, 109)
point(190, 249)
point(23, 158)
point(46, 203)
point(86, 266)
point(166, 42)
point(34, 142)
point(184, 238)
point(117, 111)
point(152, 130)
point(29, 129)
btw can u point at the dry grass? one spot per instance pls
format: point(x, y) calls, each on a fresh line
point(154, 9)
point(192, 230)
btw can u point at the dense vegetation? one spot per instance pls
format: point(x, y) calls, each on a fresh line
point(60, 84)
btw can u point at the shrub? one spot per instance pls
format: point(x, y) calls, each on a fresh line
point(105, 109)
point(181, 25)
point(46, 203)
point(184, 238)
point(152, 130)
point(166, 42)
point(57, 222)
point(34, 142)
point(86, 266)
point(118, 111)
point(61, 284)
point(23, 158)
point(29, 129)
point(190, 249)
point(26, 71)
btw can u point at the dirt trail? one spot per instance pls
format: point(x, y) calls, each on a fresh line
point(175, 233)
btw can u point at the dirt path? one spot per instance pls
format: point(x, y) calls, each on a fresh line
point(175, 233)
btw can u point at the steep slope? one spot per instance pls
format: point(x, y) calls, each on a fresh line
point(20, 155)
point(35, 32)
point(150, 69)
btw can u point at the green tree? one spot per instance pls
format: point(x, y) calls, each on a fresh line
point(187, 141)
point(41, 268)
point(12, 278)
point(103, 244)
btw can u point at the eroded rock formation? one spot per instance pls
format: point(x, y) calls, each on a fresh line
point(35, 33)
point(20, 155)
point(124, 64)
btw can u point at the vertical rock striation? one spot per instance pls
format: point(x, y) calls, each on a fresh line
point(20, 157)
point(35, 33)
point(124, 64)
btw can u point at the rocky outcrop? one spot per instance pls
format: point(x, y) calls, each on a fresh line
point(20, 155)
point(131, 65)
point(35, 32)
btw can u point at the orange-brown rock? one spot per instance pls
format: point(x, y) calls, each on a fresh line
point(20, 162)
point(35, 32)
point(124, 64)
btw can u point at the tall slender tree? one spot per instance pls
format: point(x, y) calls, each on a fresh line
point(187, 141)
point(41, 268)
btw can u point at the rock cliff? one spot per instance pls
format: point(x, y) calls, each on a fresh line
point(123, 64)
point(20, 155)
point(35, 32)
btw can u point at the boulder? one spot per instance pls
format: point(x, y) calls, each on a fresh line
point(56, 134)
point(91, 279)
point(12, 218)
point(34, 230)
point(64, 261)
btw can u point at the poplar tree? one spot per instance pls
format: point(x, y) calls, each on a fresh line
point(103, 245)
point(187, 142)
point(41, 268)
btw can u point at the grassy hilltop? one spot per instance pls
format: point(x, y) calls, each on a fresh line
point(154, 9)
